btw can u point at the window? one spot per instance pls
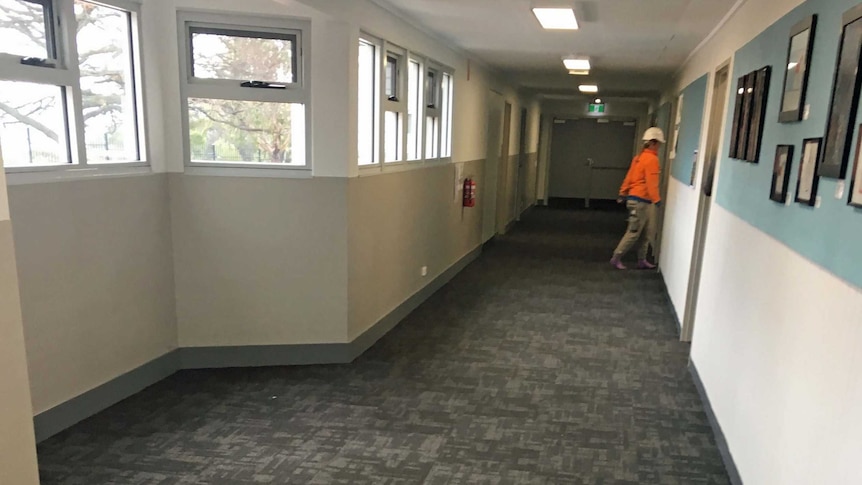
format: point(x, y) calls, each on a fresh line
point(432, 113)
point(404, 106)
point(368, 103)
point(414, 111)
point(58, 110)
point(446, 115)
point(395, 106)
point(244, 92)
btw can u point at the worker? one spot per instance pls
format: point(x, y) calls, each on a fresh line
point(640, 193)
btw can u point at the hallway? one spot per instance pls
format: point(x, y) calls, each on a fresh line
point(537, 364)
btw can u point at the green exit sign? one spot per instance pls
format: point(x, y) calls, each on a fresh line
point(597, 108)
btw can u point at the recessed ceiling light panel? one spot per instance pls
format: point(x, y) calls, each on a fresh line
point(556, 18)
point(577, 64)
point(588, 88)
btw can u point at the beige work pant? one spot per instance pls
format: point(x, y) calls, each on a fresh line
point(641, 230)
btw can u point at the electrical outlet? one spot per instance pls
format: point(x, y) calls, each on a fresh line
point(424, 271)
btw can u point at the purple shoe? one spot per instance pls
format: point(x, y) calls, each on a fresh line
point(616, 263)
point(644, 264)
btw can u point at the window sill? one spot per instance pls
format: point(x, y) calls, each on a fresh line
point(249, 172)
point(396, 167)
point(40, 175)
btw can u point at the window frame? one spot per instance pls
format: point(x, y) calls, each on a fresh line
point(398, 104)
point(377, 93)
point(297, 92)
point(65, 74)
point(420, 107)
point(401, 105)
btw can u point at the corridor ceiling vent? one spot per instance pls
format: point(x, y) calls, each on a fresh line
point(556, 18)
point(588, 88)
point(577, 66)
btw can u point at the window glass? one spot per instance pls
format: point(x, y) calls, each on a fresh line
point(446, 101)
point(431, 89)
point(432, 136)
point(414, 111)
point(107, 83)
point(234, 54)
point(24, 29)
point(392, 134)
point(391, 88)
point(367, 103)
point(32, 124)
point(229, 131)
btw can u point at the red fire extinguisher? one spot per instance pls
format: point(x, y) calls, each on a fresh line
point(469, 193)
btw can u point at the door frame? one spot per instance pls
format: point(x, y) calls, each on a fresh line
point(715, 133)
point(503, 172)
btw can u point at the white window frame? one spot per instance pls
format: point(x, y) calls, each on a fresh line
point(297, 92)
point(420, 109)
point(446, 115)
point(377, 91)
point(397, 104)
point(432, 110)
point(66, 76)
point(401, 106)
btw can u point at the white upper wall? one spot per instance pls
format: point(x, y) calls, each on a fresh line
point(748, 19)
point(329, 61)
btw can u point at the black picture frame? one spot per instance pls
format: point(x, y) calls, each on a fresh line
point(808, 181)
point(759, 99)
point(855, 197)
point(845, 98)
point(737, 118)
point(800, 48)
point(781, 169)
point(745, 117)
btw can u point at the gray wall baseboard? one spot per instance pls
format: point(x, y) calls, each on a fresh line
point(77, 409)
point(262, 355)
point(65, 415)
point(672, 308)
point(364, 342)
point(720, 440)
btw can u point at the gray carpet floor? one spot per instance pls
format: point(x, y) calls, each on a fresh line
point(538, 364)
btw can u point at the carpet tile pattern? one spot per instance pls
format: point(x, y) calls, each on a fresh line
point(539, 364)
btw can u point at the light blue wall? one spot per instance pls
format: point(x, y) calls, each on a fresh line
point(693, 101)
point(831, 235)
point(662, 120)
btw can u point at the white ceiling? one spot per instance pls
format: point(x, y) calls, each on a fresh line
point(635, 45)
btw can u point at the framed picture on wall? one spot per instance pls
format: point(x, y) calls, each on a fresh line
point(806, 186)
point(799, 52)
point(737, 118)
point(845, 98)
point(745, 120)
point(758, 113)
point(781, 173)
point(855, 198)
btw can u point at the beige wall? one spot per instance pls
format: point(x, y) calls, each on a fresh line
point(17, 443)
point(259, 260)
point(398, 223)
point(96, 280)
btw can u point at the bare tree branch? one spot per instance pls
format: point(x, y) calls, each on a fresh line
point(14, 113)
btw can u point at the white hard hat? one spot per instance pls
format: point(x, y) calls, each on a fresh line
point(654, 134)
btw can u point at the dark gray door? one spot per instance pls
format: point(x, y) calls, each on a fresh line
point(590, 157)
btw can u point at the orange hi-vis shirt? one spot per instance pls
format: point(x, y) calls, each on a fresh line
point(642, 180)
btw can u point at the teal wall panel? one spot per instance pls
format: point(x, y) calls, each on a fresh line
point(831, 235)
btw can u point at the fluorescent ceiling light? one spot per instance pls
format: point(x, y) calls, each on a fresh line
point(588, 88)
point(556, 18)
point(577, 64)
